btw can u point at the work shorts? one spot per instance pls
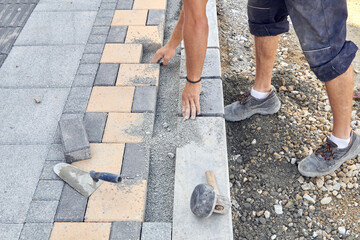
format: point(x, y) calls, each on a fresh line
point(319, 24)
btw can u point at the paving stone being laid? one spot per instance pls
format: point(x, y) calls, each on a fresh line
point(117, 34)
point(94, 48)
point(10, 231)
point(38, 231)
point(156, 231)
point(48, 171)
point(48, 190)
point(136, 161)
point(211, 97)
point(122, 53)
point(155, 17)
point(15, 15)
point(91, 231)
point(42, 212)
point(111, 99)
point(125, 230)
point(124, 4)
point(83, 81)
point(77, 100)
point(67, 5)
point(144, 99)
point(129, 17)
point(107, 74)
point(145, 4)
point(150, 36)
point(100, 30)
point(203, 148)
point(138, 75)
point(72, 206)
point(7, 38)
point(74, 139)
point(95, 125)
point(124, 201)
point(91, 58)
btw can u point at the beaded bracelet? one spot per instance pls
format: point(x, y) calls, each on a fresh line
point(192, 81)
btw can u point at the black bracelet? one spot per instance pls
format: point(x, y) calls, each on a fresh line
point(192, 81)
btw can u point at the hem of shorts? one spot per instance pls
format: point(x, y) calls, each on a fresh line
point(269, 29)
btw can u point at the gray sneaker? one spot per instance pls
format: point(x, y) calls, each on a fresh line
point(327, 158)
point(248, 106)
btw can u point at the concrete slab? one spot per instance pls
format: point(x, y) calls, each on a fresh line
point(40, 66)
point(42, 28)
point(15, 15)
point(156, 231)
point(25, 122)
point(42, 212)
point(203, 148)
point(67, 5)
point(125, 230)
point(10, 231)
point(7, 38)
point(38, 231)
point(19, 174)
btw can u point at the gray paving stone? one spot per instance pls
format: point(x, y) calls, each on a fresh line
point(19, 173)
point(67, 5)
point(125, 4)
point(38, 231)
point(91, 58)
point(109, 1)
point(7, 38)
point(2, 59)
point(211, 97)
point(40, 66)
point(42, 28)
point(144, 99)
point(105, 13)
point(107, 5)
point(74, 139)
point(136, 161)
point(25, 122)
point(212, 67)
point(94, 48)
point(103, 21)
point(42, 212)
point(117, 34)
point(107, 74)
point(10, 231)
point(88, 69)
point(155, 17)
point(125, 230)
point(57, 135)
point(15, 15)
point(95, 125)
point(48, 190)
point(48, 172)
point(56, 152)
point(156, 231)
point(19, 1)
point(203, 148)
point(100, 30)
point(71, 207)
point(101, 39)
point(77, 100)
point(83, 81)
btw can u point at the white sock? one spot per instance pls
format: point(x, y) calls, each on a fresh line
point(257, 94)
point(341, 143)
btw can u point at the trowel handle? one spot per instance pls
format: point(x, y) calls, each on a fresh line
point(210, 177)
point(108, 177)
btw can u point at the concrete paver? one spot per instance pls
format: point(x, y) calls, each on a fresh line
point(48, 190)
point(7, 38)
point(117, 34)
point(144, 4)
point(125, 230)
point(122, 53)
point(41, 211)
point(136, 161)
point(67, 5)
point(94, 48)
point(15, 15)
point(155, 17)
point(48, 171)
point(100, 30)
point(156, 231)
point(129, 17)
point(107, 74)
point(10, 231)
point(125, 4)
point(38, 231)
point(89, 231)
point(95, 125)
point(138, 75)
point(149, 36)
point(144, 99)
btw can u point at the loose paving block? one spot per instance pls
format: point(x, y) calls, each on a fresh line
point(57, 136)
point(67, 5)
point(10, 231)
point(117, 34)
point(136, 161)
point(106, 157)
point(87, 69)
point(206, 150)
point(42, 211)
point(212, 67)
point(91, 58)
point(72, 206)
point(111, 99)
point(128, 127)
point(74, 139)
point(149, 36)
point(38, 231)
point(138, 75)
point(107, 74)
point(95, 125)
point(7, 38)
point(89, 231)
point(211, 97)
point(145, 4)
point(77, 100)
point(117, 202)
point(125, 4)
point(122, 53)
point(103, 21)
point(99, 39)
point(156, 231)
point(83, 81)
point(100, 30)
point(48, 171)
point(94, 48)
point(125, 230)
point(48, 190)
point(15, 15)
point(155, 17)
point(129, 17)
point(144, 99)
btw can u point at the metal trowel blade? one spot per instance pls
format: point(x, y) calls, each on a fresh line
point(79, 179)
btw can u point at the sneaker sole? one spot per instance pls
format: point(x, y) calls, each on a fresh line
point(257, 111)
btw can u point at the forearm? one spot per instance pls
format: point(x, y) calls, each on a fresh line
point(177, 34)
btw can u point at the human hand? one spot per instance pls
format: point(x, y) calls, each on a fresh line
point(191, 100)
point(166, 53)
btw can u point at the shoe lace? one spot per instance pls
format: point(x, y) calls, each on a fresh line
point(325, 151)
point(243, 98)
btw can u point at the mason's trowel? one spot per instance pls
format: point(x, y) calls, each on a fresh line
point(83, 182)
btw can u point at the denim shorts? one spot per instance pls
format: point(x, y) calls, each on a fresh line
point(319, 24)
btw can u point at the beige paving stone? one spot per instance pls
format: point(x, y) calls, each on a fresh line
point(129, 17)
point(150, 36)
point(117, 202)
point(80, 231)
point(138, 75)
point(146, 4)
point(106, 157)
point(111, 99)
point(121, 53)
